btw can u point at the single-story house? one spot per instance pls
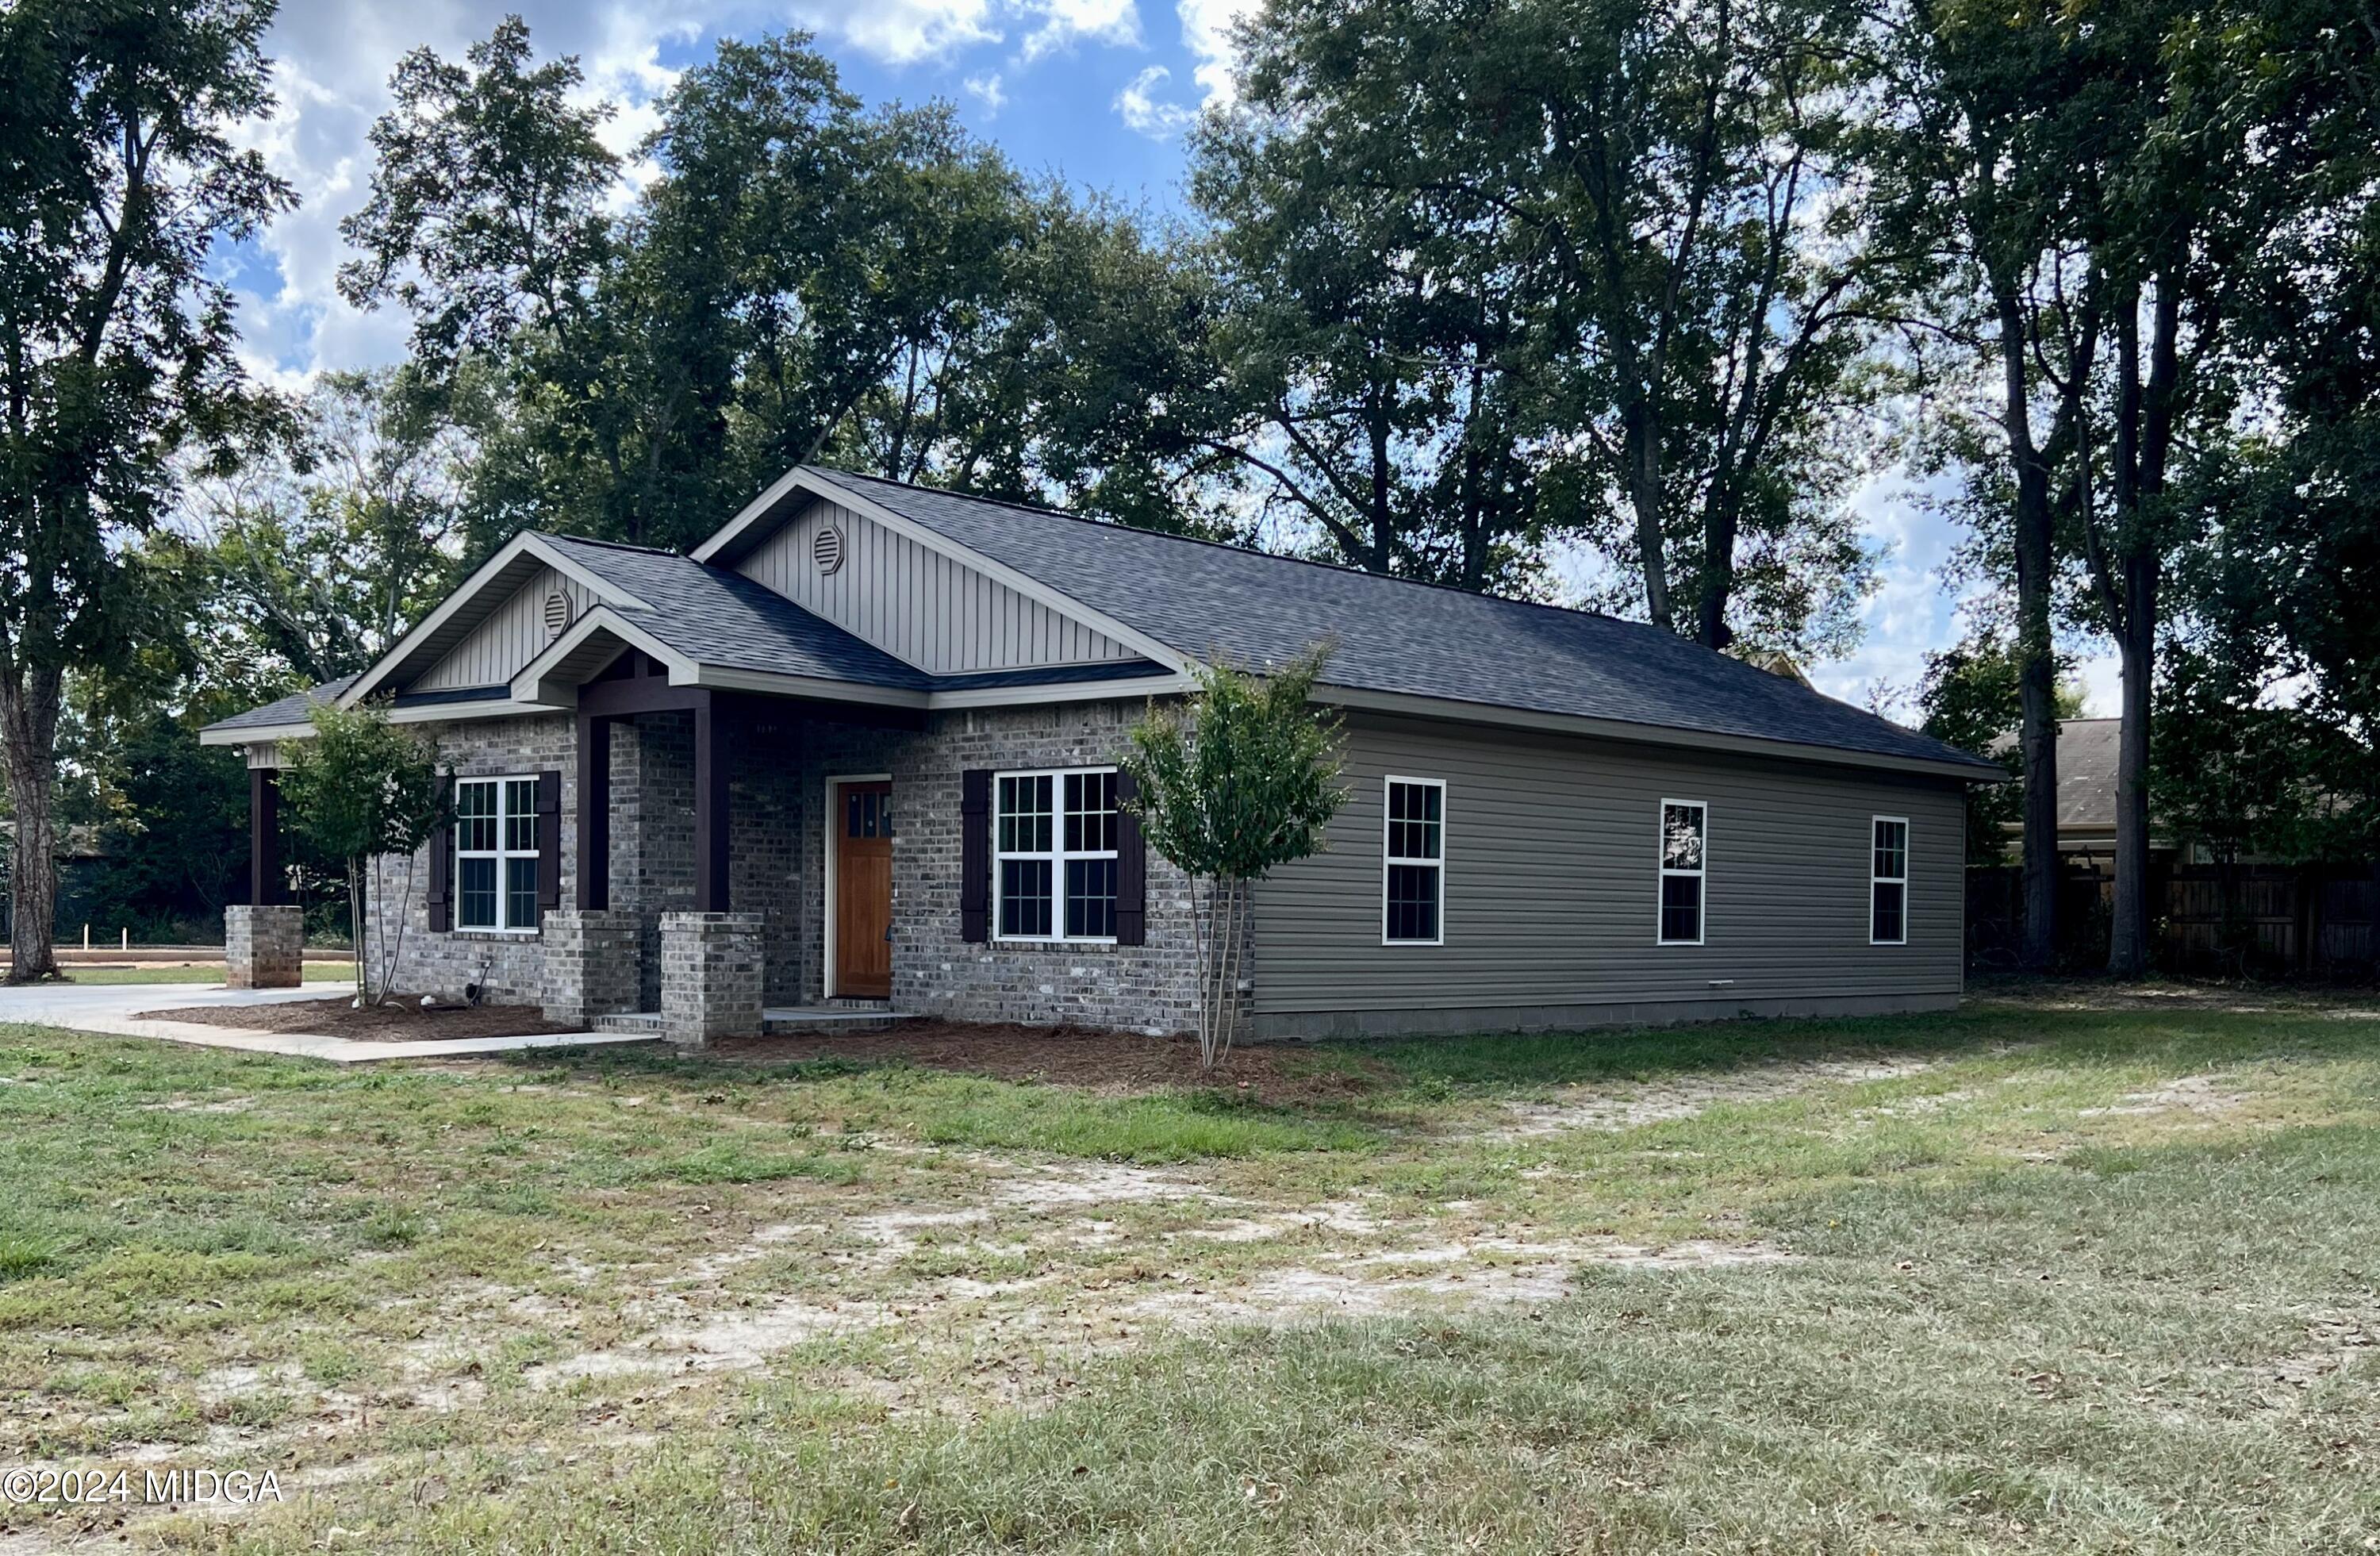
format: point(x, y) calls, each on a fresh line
point(860, 746)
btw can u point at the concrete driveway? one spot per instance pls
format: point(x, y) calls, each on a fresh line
point(111, 1008)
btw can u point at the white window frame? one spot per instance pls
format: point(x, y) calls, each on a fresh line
point(502, 854)
point(1873, 880)
point(1701, 873)
point(1388, 787)
point(1058, 855)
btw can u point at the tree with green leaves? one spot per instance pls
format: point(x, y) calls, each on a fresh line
point(358, 790)
point(327, 544)
point(1972, 696)
point(1564, 268)
point(1233, 782)
point(120, 175)
point(805, 279)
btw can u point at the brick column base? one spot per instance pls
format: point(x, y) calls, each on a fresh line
point(710, 975)
point(264, 947)
point(590, 965)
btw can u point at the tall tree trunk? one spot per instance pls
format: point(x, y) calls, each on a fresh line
point(2128, 930)
point(2141, 563)
point(2035, 647)
point(1711, 629)
point(28, 732)
point(1643, 454)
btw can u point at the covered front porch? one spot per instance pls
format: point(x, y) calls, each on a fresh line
point(703, 862)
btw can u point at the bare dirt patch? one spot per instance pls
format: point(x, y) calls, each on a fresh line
point(2189, 1094)
point(1110, 1063)
point(403, 1019)
point(1618, 1106)
point(2228, 998)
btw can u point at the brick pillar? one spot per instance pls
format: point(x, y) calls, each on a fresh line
point(590, 965)
point(264, 947)
point(710, 975)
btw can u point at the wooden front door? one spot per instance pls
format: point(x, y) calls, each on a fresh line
point(863, 892)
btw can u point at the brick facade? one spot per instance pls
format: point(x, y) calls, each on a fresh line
point(779, 837)
point(264, 947)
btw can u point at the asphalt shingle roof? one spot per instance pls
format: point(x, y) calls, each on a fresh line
point(720, 618)
point(1395, 636)
point(295, 709)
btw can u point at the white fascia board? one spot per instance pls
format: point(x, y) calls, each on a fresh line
point(1448, 708)
point(526, 688)
point(1171, 684)
point(527, 542)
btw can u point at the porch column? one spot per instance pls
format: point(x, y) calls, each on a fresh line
point(594, 812)
point(265, 938)
point(711, 807)
point(267, 884)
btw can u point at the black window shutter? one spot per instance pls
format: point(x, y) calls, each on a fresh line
point(548, 841)
point(1132, 868)
point(975, 854)
point(442, 869)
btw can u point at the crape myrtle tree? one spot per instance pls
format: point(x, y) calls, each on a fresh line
point(1233, 782)
point(361, 789)
point(119, 179)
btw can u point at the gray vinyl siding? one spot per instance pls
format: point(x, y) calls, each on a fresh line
point(1553, 882)
point(919, 604)
point(514, 633)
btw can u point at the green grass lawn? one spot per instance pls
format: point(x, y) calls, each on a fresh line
point(2019, 1278)
point(205, 972)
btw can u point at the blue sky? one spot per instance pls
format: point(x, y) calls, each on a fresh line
point(1096, 91)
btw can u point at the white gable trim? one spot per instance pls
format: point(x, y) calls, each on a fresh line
point(827, 490)
point(528, 542)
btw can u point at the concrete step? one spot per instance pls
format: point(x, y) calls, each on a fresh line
point(642, 1021)
point(840, 1016)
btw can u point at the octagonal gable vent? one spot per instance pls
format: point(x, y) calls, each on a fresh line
point(557, 615)
point(826, 549)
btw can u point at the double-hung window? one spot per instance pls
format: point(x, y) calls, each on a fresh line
point(1887, 884)
point(1684, 839)
point(1412, 875)
point(496, 854)
point(1054, 860)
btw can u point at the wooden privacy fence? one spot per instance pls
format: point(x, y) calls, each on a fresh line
point(2236, 920)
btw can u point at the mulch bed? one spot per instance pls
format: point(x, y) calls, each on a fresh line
point(1097, 1059)
point(400, 1020)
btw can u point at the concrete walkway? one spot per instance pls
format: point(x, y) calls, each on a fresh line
point(112, 1007)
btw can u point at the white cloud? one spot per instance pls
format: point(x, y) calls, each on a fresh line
point(1143, 113)
point(903, 31)
point(986, 90)
point(1207, 33)
point(1113, 22)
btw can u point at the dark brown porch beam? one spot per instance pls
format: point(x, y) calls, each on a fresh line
point(642, 694)
point(594, 811)
point(711, 808)
point(266, 885)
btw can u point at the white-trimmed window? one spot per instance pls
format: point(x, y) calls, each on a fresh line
point(1413, 863)
point(1054, 863)
point(1888, 883)
point(1686, 840)
point(495, 854)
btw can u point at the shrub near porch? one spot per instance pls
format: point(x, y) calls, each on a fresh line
point(2017, 1278)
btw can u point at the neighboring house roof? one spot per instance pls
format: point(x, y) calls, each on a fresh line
point(2086, 773)
point(1393, 635)
point(1396, 644)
